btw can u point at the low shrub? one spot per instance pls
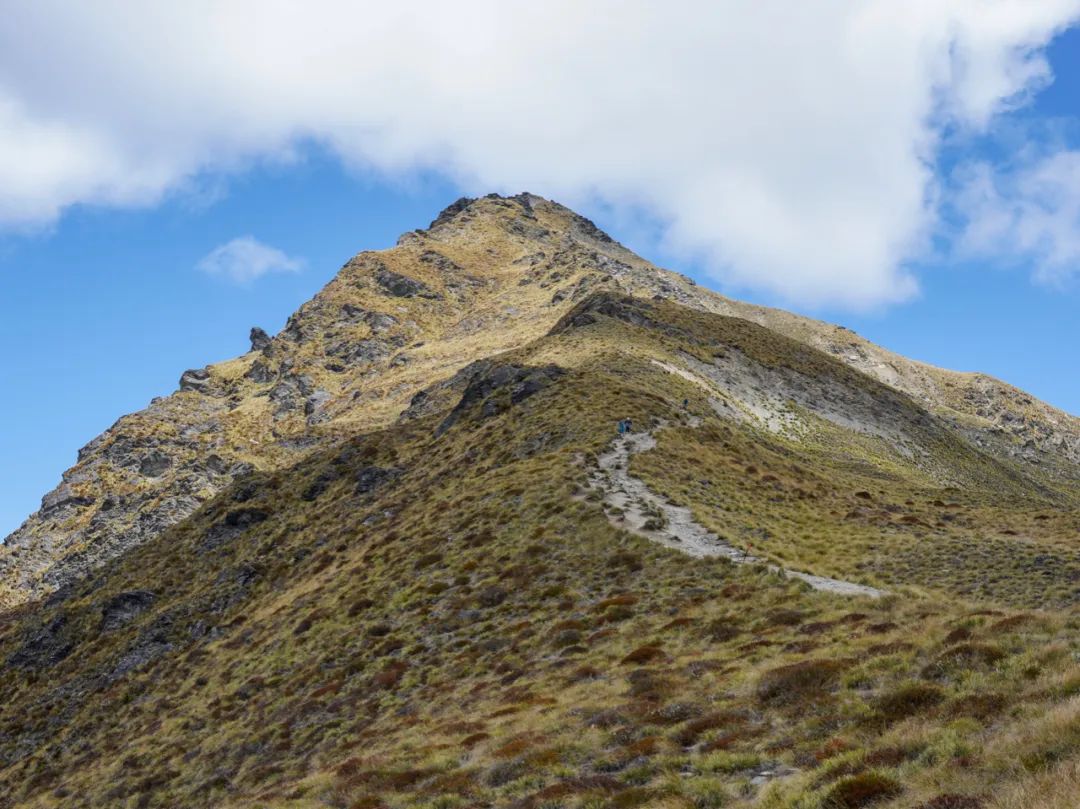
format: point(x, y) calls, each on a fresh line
point(644, 654)
point(864, 789)
point(908, 700)
point(797, 681)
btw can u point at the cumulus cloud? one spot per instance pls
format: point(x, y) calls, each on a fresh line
point(245, 259)
point(791, 145)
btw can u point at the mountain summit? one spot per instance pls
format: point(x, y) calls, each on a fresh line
point(507, 516)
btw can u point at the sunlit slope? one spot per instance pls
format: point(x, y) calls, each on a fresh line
point(439, 612)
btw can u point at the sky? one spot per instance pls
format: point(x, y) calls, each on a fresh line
point(171, 175)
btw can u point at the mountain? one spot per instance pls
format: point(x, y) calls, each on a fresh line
point(487, 276)
point(400, 555)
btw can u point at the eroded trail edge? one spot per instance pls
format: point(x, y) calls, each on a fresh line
point(647, 514)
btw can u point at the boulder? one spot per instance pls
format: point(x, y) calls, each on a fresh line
point(260, 373)
point(315, 406)
point(401, 286)
point(260, 340)
point(154, 464)
point(124, 608)
point(195, 379)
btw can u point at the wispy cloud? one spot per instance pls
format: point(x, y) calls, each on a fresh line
point(1027, 213)
point(245, 259)
point(791, 145)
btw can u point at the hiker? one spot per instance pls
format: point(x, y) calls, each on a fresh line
point(622, 426)
point(685, 404)
point(629, 426)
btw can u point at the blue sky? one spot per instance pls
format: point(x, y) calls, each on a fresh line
point(106, 304)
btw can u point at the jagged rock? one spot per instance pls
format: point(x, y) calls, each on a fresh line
point(450, 211)
point(216, 464)
point(370, 478)
point(315, 406)
point(378, 322)
point(621, 307)
point(233, 524)
point(154, 464)
point(520, 382)
point(439, 262)
point(63, 496)
point(286, 397)
point(233, 586)
point(44, 646)
point(260, 373)
point(401, 286)
point(360, 351)
point(124, 608)
point(260, 340)
point(196, 379)
point(145, 650)
point(294, 328)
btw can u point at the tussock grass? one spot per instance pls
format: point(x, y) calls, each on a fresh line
point(466, 629)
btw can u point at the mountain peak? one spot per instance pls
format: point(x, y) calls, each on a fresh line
point(524, 205)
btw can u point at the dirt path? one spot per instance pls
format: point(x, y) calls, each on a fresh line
point(646, 513)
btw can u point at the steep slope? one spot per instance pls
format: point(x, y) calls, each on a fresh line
point(443, 612)
point(487, 276)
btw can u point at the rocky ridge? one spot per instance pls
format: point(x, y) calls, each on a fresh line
point(487, 276)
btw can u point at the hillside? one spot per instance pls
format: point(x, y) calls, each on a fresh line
point(487, 276)
point(398, 556)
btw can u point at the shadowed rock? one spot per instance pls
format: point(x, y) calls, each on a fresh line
point(196, 379)
point(124, 608)
point(260, 340)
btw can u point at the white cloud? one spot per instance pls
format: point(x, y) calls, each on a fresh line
point(245, 259)
point(790, 144)
point(1026, 213)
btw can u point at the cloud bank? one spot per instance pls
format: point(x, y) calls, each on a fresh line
point(246, 259)
point(791, 145)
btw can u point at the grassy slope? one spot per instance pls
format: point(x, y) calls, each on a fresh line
point(475, 631)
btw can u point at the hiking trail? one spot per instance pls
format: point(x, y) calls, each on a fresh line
point(649, 515)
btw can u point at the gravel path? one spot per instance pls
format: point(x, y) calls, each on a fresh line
point(653, 517)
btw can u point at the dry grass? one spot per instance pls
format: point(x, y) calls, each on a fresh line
point(466, 629)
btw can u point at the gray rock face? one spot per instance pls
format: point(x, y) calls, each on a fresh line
point(145, 650)
point(370, 478)
point(155, 464)
point(234, 524)
point(379, 322)
point(44, 646)
point(62, 497)
point(451, 211)
point(401, 286)
point(124, 608)
point(260, 373)
point(439, 262)
point(315, 406)
point(359, 352)
point(196, 379)
point(260, 340)
point(518, 382)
